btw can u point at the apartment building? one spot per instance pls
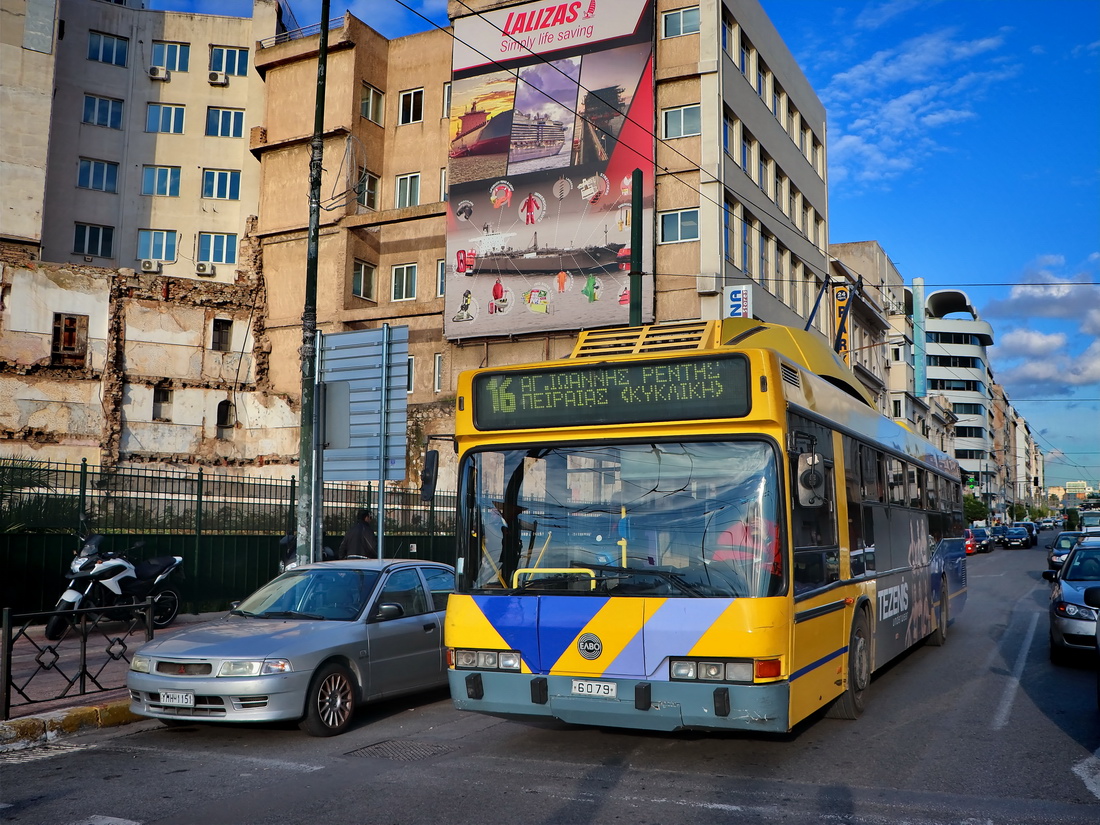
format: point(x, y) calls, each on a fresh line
point(149, 165)
point(26, 97)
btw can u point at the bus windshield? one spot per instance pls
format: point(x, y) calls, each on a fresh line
point(670, 518)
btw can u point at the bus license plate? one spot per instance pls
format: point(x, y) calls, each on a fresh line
point(605, 690)
point(184, 700)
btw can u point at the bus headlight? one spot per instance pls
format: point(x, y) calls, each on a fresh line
point(712, 670)
point(465, 659)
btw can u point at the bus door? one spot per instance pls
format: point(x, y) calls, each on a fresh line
point(821, 614)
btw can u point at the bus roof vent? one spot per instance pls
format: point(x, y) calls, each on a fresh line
point(600, 343)
point(790, 375)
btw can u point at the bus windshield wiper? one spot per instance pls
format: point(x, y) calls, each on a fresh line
point(675, 579)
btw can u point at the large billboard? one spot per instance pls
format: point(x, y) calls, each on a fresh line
point(552, 110)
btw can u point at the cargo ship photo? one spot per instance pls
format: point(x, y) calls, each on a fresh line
point(480, 133)
point(495, 256)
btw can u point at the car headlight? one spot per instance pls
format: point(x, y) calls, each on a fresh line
point(255, 667)
point(140, 664)
point(1070, 610)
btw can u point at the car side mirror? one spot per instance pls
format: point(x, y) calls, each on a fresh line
point(388, 611)
point(1092, 596)
point(1051, 575)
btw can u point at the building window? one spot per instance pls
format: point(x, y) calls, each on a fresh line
point(221, 335)
point(366, 189)
point(227, 418)
point(408, 190)
point(412, 107)
point(162, 404)
point(89, 239)
point(969, 432)
point(437, 373)
point(746, 153)
point(232, 61)
point(729, 131)
point(371, 104)
point(681, 122)
point(897, 408)
point(100, 175)
point(446, 100)
point(106, 48)
point(440, 277)
point(404, 282)
point(216, 248)
point(680, 22)
point(221, 184)
point(161, 117)
point(679, 226)
point(160, 180)
point(362, 280)
point(224, 122)
point(157, 244)
point(443, 184)
point(70, 340)
point(746, 245)
point(172, 56)
point(762, 173)
point(968, 409)
point(409, 375)
point(102, 111)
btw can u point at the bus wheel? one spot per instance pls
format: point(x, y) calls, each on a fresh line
point(939, 635)
point(850, 704)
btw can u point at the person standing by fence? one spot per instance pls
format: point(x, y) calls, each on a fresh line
point(361, 538)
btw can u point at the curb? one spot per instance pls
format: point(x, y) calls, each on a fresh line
point(30, 731)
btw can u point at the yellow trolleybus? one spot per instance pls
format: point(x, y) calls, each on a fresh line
point(693, 525)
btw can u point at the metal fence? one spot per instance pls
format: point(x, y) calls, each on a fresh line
point(227, 528)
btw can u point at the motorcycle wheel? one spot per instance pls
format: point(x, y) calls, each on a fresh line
point(166, 606)
point(58, 624)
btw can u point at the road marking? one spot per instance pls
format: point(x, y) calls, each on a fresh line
point(1009, 696)
point(105, 820)
point(249, 760)
point(1088, 771)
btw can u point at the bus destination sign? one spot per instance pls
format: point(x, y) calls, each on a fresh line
point(617, 393)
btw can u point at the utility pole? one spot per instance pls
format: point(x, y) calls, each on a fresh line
point(308, 501)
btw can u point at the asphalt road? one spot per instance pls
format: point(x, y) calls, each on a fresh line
point(982, 731)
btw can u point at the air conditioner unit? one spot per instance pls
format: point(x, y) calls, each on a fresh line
point(218, 79)
point(150, 265)
point(204, 268)
point(159, 73)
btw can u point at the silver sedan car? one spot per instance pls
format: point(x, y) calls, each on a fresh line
point(1072, 621)
point(310, 645)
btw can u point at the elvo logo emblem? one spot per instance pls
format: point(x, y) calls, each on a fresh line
point(589, 646)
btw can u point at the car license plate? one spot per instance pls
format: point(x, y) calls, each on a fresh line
point(184, 700)
point(605, 690)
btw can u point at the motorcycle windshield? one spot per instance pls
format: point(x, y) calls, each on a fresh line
point(91, 546)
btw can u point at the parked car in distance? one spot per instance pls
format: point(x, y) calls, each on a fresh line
point(998, 533)
point(1017, 537)
point(977, 540)
point(1072, 622)
point(1058, 549)
point(1032, 530)
point(310, 645)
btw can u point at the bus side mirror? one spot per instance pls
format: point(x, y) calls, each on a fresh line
point(811, 480)
point(428, 475)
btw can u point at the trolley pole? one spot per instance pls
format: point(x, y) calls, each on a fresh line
point(307, 506)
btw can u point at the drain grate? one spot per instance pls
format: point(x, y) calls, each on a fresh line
point(402, 751)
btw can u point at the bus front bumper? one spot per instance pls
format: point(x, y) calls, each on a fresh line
point(647, 705)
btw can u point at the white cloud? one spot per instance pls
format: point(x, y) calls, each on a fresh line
point(1026, 343)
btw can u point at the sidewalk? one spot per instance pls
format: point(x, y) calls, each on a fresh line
point(41, 722)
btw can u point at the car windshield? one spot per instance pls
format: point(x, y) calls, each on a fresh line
point(675, 519)
point(1065, 542)
point(1016, 532)
point(980, 533)
point(1083, 565)
point(311, 593)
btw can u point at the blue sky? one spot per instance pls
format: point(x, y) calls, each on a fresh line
point(964, 137)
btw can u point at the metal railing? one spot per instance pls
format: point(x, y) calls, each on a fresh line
point(298, 34)
point(35, 671)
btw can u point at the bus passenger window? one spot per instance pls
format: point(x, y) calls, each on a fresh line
point(896, 480)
